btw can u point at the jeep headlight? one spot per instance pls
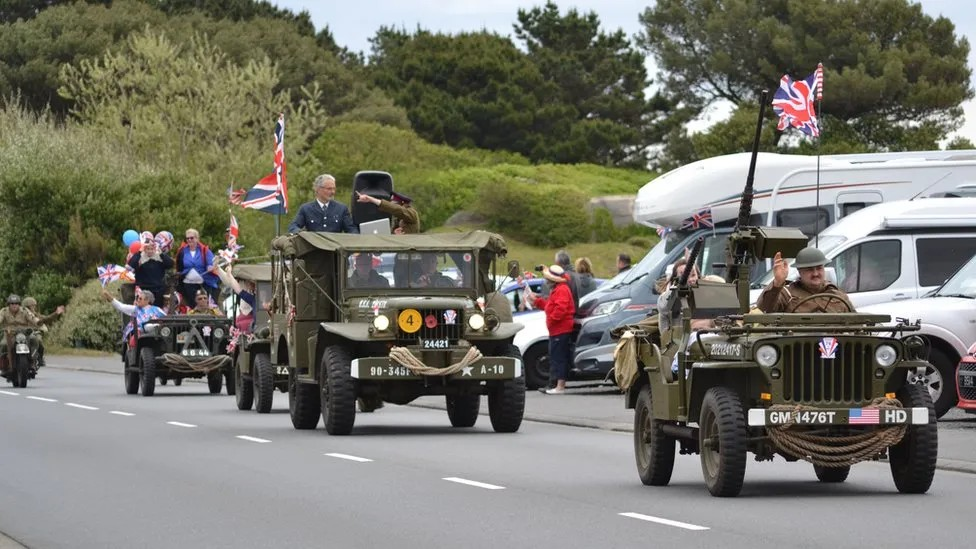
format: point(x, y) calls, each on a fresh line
point(165, 331)
point(218, 333)
point(885, 355)
point(381, 323)
point(21, 338)
point(610, 307)
point(150, 328)
point(767, 355)
point(476, 321)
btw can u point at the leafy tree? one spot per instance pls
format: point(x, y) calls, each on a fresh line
point(600, 75)
point(237, 10)
point(893, 75)
point(12, 10)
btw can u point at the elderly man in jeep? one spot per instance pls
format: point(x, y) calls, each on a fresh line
point(812, 293)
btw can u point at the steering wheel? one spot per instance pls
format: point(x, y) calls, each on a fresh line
point(822, 307)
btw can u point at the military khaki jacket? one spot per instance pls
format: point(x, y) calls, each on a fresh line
point(22, 319)
point(784, 299)
point(409, 216)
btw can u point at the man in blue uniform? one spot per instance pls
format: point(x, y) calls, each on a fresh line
point(324, 214)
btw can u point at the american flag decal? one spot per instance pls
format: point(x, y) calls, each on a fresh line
point(864, 416)
point(828, 348)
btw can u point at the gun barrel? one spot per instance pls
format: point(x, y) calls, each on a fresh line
point(692, 259)
point(745, 205)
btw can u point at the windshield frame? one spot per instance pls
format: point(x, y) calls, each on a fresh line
point(446, 264)
point(953, 286)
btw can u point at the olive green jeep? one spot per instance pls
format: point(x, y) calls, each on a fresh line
point(830, 389)
point(255, 378)
point(390, 318)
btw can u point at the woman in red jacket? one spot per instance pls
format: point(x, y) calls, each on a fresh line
point(559, 310)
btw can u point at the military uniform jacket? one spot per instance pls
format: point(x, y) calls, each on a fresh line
point(409, 216)
point(784, 299)
point(334, 218)
point(22, 319)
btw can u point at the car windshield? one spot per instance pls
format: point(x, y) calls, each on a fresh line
point(651, 260)
point(402, 270)
point(962, 284)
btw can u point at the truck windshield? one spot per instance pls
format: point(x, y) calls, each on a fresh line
point(402, 270)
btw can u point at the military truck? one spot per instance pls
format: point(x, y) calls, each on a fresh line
point(432, 325)
point(830, 389)
point(255, 378)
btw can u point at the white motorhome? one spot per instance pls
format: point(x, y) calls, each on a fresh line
point(786, 186)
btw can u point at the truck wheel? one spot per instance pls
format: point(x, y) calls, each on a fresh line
point(463, 410)
point(722, 439)
point(536, 365)
point(506, 400)
point(215, 382)
point(147, 366)
point(653, 449)
point(913, 459)
point(229, 381)
point(338, 391)
point(245, 388)
point(939, 380)
point(831, 474)
point(163, 381)
point(178, 381)
point(130, 375)
point(303, 402)
point(262, 375)
point(21, 371)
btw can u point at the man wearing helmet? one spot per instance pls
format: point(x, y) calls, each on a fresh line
point(15, 317)
point(31, 305)
point(780, 297)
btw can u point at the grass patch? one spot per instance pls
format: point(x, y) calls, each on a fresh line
point(51, 350)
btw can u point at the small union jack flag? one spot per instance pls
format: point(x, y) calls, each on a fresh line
point(828, 348)
point(698, 220)
point(270, 194)
point(235, 196)
point(663, 231)
point(793, 102)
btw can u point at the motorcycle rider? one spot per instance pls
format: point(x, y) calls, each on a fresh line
point(31, 304)
point(15, 317)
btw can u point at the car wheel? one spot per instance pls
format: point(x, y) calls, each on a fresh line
point(536, 365)
point(939, 380)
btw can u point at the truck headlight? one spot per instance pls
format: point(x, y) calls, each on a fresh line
point(21, 338)
point(767, 355)
point(885, 355)
point(381, 323)
point(218, 333)
point(165, 331)
point(476, 321)
point(150, 328)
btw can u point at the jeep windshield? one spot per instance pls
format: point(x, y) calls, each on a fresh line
point(413, 270)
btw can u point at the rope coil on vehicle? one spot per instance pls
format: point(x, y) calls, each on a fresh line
point(836, 451)
point(404, 357)
point(182, 365)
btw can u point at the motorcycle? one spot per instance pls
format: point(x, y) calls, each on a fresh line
point(19, 363)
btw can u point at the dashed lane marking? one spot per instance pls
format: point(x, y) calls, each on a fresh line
point(43, 399)
point(118, 413)
point(179, 424)
point(11, 393)
point(81, 406)
point(350, 458)
point(253, 439)
point(664, 521)
point(474, 483)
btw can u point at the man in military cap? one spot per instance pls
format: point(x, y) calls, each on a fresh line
point(780, 297)
point(31, 304)
point(400, 207)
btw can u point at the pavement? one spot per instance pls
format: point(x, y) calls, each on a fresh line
point(602, 407)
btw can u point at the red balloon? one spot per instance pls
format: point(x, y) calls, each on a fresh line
point(135, 247)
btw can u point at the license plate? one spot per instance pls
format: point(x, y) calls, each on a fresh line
point(195, 352)
point(434, 344)
point(394, 370)
point(22, 349)
point(967, 381)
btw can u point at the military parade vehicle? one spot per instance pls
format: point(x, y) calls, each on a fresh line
point(431, 325)
point(19, 363)
point(830, 389)
point(255, 378)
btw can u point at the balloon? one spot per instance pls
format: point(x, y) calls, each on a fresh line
point(165, 240)
point(135, 247)
point(129, 236)
point(146, 236)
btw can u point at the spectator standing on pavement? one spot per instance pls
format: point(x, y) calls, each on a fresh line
point(559, 309)
point(584, 274)
point(623, 263)
point(563, 260)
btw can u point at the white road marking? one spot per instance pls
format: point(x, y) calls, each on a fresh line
point(11, 393)
point(664, 521)
point(253, 439)
point(474, 483)
point(178, 424)
point(350, 458)
point(82, 406)
point(118, 413)
point(42, 399)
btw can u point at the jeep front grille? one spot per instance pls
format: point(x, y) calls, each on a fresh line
point(809, 378)
point(442, 330)
point(967, 369)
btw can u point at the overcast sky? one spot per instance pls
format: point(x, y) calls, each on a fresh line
point(353, 23)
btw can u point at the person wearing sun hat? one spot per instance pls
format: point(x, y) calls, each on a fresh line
point(559, 309)
point(400, 207)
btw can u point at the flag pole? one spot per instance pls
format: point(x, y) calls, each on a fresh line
point(818, 82)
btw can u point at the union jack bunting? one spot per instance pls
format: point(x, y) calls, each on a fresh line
point(793, 102)
point(702, 218)
point(270, 194)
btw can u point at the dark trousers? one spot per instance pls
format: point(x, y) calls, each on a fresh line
point(560, 356)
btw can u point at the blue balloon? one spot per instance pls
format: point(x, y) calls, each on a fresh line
point(129, 236)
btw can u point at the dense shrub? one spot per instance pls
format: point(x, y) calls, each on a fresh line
point(89, 321)
point(50, 289)
point(543, 214)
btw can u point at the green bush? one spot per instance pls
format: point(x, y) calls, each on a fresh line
point(89, 321)
point(543, 215)
point(50, 289)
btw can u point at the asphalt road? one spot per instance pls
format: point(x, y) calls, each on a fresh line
point(84, 466)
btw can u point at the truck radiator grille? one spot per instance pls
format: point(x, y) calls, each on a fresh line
point(440, 331)
point(809, 378)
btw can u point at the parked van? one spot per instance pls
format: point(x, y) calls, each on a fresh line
point(898, 250)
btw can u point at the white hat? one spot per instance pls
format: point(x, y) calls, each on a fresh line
point(554, 273)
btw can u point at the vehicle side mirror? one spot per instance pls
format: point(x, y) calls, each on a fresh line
point(513, 269)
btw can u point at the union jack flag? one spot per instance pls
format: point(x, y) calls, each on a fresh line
point(702, 218)
point(270, 194)
point(235, 196)
point(793, 102)
point(113, 272)
point(233, 233)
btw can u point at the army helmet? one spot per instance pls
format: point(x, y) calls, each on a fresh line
point(29, 302)
point(809, 257)
point(13, 299)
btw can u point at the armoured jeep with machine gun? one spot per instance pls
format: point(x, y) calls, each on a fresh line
point(831, 389)
point(431, 324)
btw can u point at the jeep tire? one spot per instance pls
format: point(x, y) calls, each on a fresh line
point(262, 374)
point(831, 475)
point(304, 402)
point(722, 438)
point(338, 401)
point(215, 381)
point(653, 450)
point(506, 399)
point(130, 374)
point(245, 387)
point(147, 368)
point(463, 410)
point(913, 459)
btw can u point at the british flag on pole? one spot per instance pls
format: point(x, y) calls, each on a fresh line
point(270, 194)
point(698, 220)
point(794, 103)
